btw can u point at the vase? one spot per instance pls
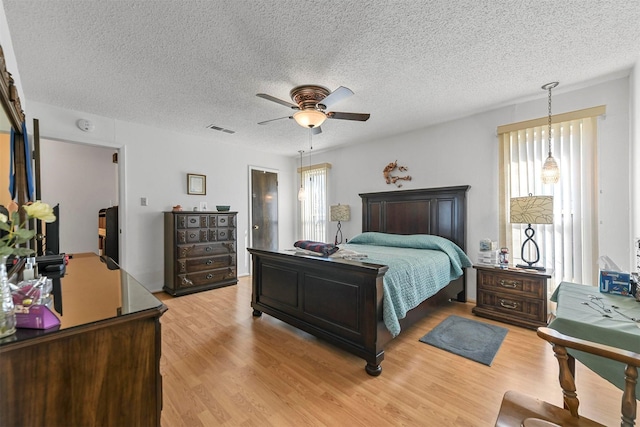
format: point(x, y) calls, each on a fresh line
point(7, 313)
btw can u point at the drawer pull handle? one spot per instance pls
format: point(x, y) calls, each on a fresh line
point(193, 220)
point(209, 262)
point(192, 235)
point(208, 249)
point(209, 276)
point(508, 304)
point(506, 284)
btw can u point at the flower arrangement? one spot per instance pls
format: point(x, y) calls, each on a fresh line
point(15, 233)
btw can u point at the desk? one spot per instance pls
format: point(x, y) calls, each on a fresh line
point(87, 372)
point(575, 318)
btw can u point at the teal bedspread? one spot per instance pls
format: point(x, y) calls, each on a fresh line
point(419, 266)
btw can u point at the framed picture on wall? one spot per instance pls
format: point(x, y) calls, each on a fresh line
point(196, 184)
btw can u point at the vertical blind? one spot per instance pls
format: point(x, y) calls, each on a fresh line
point(568, 247)
point(313, 209)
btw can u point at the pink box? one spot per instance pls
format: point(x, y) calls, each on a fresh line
point(35, 317)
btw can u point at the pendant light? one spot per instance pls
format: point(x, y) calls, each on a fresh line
point(550, 170)
point(302, 195)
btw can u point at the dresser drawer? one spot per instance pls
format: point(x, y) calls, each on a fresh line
point(191, 265)
point(192, 236)
point(221, 220)
point(192, 221)
point(222, 234)
point(213, 248)
point(206, 277)
point(518, 285)
point(513, 305)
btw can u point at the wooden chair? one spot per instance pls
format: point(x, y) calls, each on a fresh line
point(521, 410)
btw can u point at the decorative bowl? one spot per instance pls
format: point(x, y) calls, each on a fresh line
point(220, 208)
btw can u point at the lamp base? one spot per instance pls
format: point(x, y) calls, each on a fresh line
point(531, 267)
point(338, 233)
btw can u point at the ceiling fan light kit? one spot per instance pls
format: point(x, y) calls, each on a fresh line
point(309, 118)
point(312, 102)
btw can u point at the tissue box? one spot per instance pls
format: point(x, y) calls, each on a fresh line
point(615, 282)
point(35, 317)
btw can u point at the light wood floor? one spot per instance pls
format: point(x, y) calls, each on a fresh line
point(221, 366)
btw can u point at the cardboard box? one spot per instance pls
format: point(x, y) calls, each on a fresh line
point(615, 282)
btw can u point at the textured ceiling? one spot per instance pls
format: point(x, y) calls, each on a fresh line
point(184, 65)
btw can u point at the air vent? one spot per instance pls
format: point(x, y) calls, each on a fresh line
point(218, 128)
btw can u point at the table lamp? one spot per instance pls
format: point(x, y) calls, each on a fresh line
point(340, 213)
point(531, 210)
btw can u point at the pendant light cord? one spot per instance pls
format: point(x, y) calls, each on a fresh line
point(301, 151)
point(549, 131)
point(548, 87)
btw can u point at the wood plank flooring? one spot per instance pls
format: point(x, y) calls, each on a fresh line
point(223, 367)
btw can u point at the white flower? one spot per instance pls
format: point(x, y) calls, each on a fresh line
point(14, 234)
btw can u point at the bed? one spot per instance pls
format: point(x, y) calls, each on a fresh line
point(341, 300)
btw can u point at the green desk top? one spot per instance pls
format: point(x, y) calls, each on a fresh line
point(580, 314)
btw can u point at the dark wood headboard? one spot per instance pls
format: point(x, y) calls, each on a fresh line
point(438, 211)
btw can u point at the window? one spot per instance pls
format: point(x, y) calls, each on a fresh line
point(313, 209)
point(568, 247)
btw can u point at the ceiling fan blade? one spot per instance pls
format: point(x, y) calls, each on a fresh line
point(336, 96)
point(316, 130)
point(273, 120)
point(277, 100)
point(361, 117)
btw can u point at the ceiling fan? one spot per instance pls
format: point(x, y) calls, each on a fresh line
point(312, 103)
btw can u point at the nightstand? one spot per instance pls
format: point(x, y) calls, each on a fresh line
point(512, 295)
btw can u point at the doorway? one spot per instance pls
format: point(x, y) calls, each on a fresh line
point(264, 209)
point(83, 180)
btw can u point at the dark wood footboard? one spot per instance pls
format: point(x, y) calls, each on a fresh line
point(339, 301)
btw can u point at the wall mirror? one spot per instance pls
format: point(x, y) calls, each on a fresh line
point(11, 117)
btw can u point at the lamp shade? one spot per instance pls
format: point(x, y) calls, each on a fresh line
point(309, 118)
point(550, 171)
point(340, 213)
point(532, 210)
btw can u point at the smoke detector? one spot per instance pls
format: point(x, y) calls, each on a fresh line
point(85, 125)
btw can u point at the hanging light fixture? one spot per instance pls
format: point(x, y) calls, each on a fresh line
point(550, 170)
point(301, 193)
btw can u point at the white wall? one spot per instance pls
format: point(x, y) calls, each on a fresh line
point(82, 179)
point(465, 151)
point(635, 163)
point(153, 163)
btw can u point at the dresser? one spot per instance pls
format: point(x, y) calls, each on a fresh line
point(199, 251)
point(87, 371)
point(512, 295)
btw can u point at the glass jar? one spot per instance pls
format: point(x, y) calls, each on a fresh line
point(7, 312)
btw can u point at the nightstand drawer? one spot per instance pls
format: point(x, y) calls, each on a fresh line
point(512, 305)
point(530, 287)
